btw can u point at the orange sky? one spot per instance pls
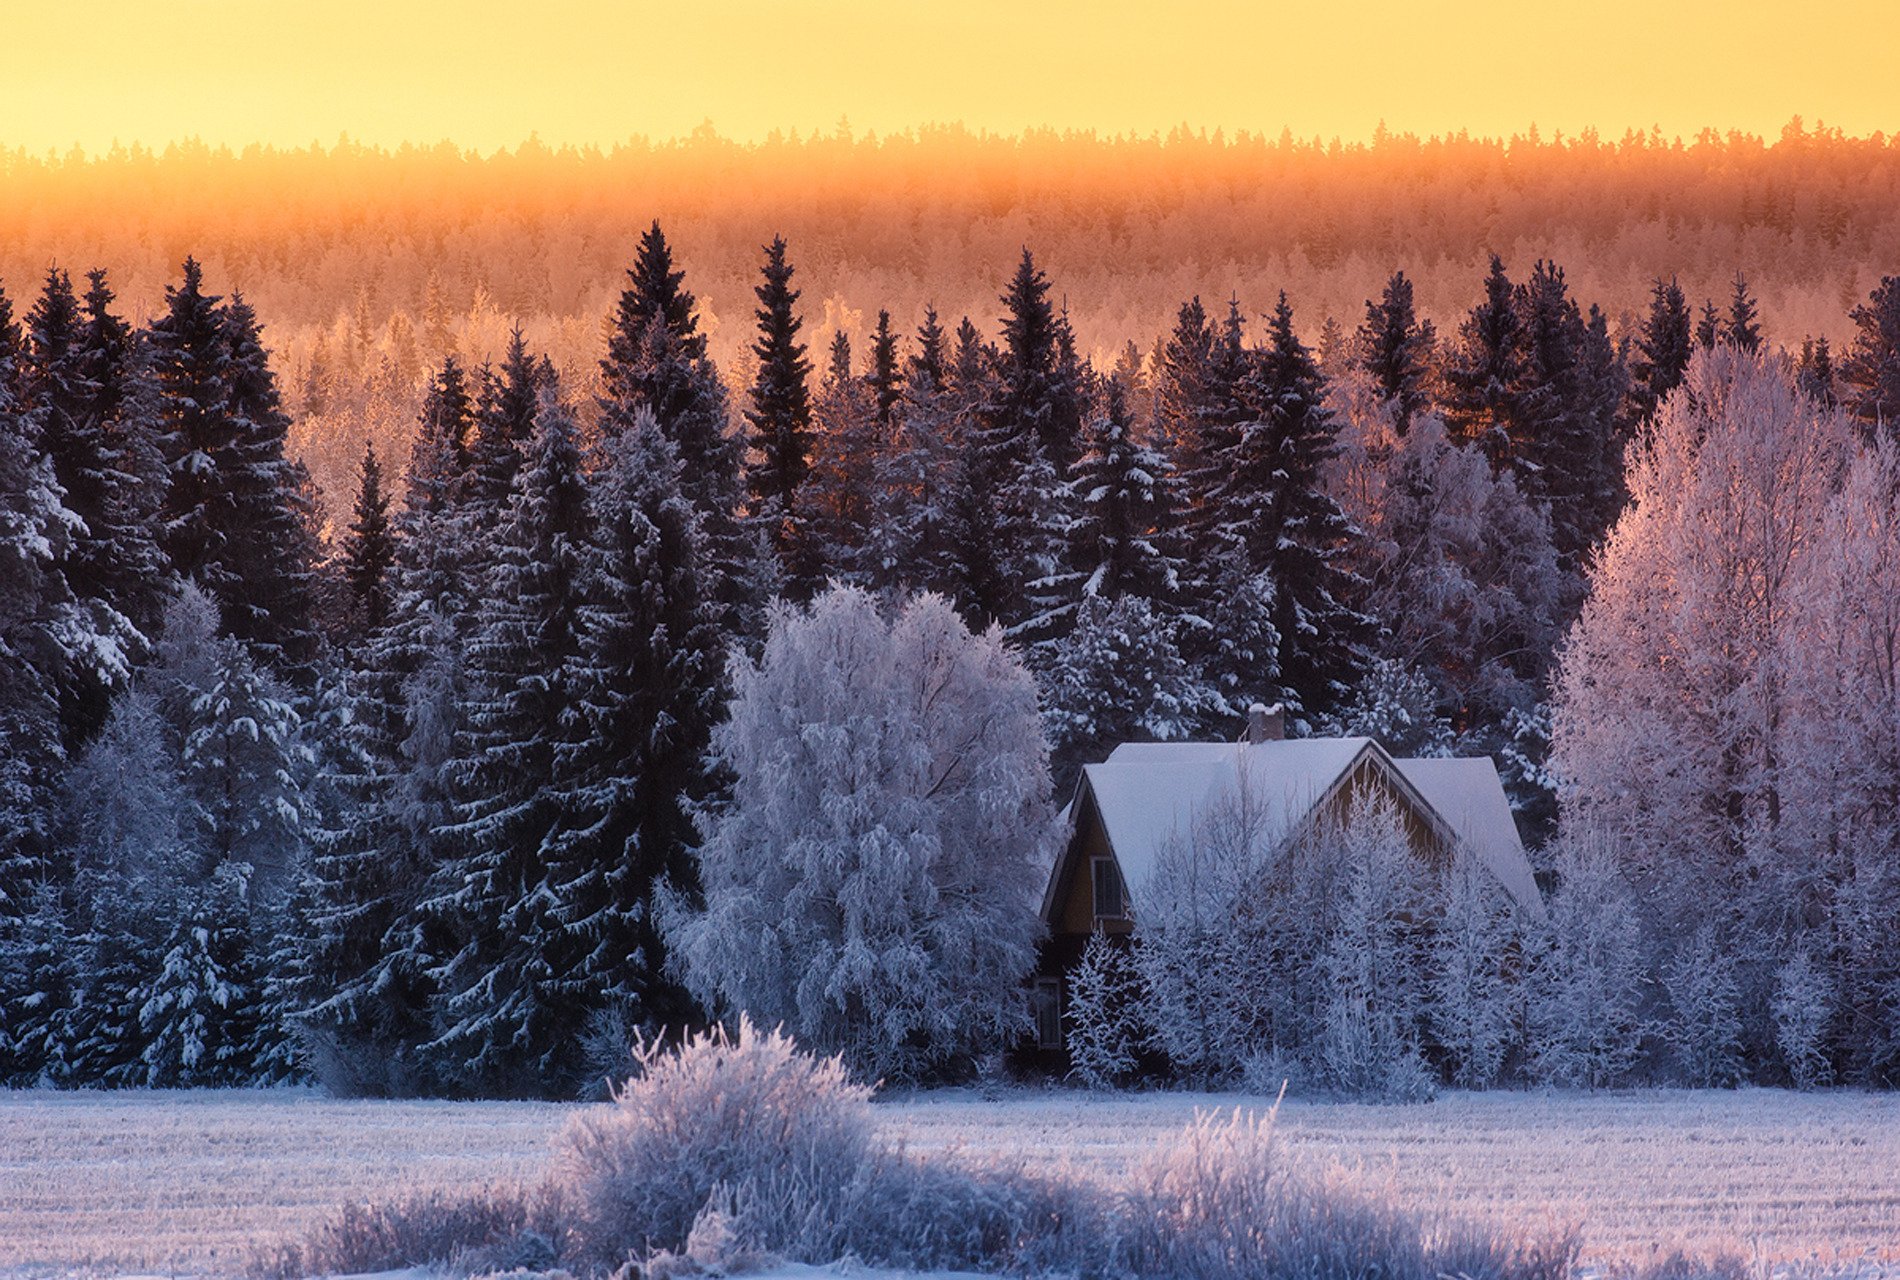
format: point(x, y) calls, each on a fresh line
point(486, 74)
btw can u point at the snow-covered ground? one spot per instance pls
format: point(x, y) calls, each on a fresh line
point(187, 1181)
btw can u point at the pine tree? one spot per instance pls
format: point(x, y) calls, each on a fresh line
point(656, 359)
point(779, 421)
point(849, 448)
point(1870, 372)
point(1278, 522)
point(647, 682)
point(1396, 349)
point(1708, 327)
point(35, 531)
point(885, 378)
point(1122, 493)
point(199, 1013)
point(369, 551)
point(1483, 369)
point(504, 1029)
point(1663, 349)
point(1743, 329)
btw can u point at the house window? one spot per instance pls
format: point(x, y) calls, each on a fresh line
point(1111, 903)
point(1047, 1007)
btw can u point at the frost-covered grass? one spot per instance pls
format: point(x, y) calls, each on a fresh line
point(189, 1181)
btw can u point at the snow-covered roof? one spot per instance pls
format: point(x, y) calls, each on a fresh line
point(1469, 796)
point(1148, 794)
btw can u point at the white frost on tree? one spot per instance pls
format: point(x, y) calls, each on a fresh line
point(870, 884)
point(1586, 972)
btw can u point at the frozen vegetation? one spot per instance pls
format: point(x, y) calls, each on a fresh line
point(140, 1182)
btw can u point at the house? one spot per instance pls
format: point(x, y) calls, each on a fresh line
point(1145, 796)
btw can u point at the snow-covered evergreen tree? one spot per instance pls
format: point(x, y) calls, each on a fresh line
point(1870, 370)
point(849, 444)
point(504, 1027)
point(37, 975)
point(779, 427)
point(912, 522)
point(199, 1013)
point(1396, 349)
point(871, 882)
point(1117, 677)
point(646, 682)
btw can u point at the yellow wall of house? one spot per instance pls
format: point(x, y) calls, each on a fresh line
point(1074, 906)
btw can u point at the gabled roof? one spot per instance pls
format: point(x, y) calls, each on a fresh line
point(1149, 793)
point(1468, 794)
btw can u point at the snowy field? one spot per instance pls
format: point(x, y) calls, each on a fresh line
point(174, 1182)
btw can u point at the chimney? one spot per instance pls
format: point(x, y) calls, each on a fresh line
point(1266, 724)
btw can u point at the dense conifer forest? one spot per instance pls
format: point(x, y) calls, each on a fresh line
point(454, 777)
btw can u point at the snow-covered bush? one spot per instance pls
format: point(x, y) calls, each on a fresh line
point(1105, 1003)
point(745, 1114)
point(872, 883)
point(1705, 1026)
point(1802, 1009)
point(490, 1230)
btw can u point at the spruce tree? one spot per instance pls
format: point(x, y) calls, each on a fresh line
point(779, 426)
point(911, 524)
point(35, 530)
point(647, 682)
point(1396, 350)
point(37, 983)
point(1662, 350)
point(504, 420)
point(1124, 536)
point(1814, 371)
point(272, 543)
point(369, 551)
point(1279, 525)
point(656, 359)
point(1744, 323)
point(1708, 327)
point(1870, 372)
point(848, 452)
point(190, 359)
point(885, 377)
point(505, 1028)
point(1484, 368)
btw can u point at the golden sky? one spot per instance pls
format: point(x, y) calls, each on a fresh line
point(486, 74)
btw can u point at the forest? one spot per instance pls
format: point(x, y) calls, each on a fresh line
point(636, 690)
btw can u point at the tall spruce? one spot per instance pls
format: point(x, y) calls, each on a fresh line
point(506, 1029)
point(1743, 329)
point(1870, 372)
point(1396, 349)
point(647, 683)
point(1483, 368)
point(1279, 525)
point(1663, 348)
point(779, 433)
point(886, 377)
point(850, 444)
point(369, 551)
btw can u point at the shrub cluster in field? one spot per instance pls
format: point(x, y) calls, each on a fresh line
point(735, 1150)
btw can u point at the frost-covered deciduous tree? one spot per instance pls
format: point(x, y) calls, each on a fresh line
point(1672, 707)
point(1477, 999)
point(1373, 964)
point(1105, 1032)
point(1704, 1028)
point(870, 884)
point(1587, 966)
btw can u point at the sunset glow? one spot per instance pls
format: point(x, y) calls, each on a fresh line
point(485, 74)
